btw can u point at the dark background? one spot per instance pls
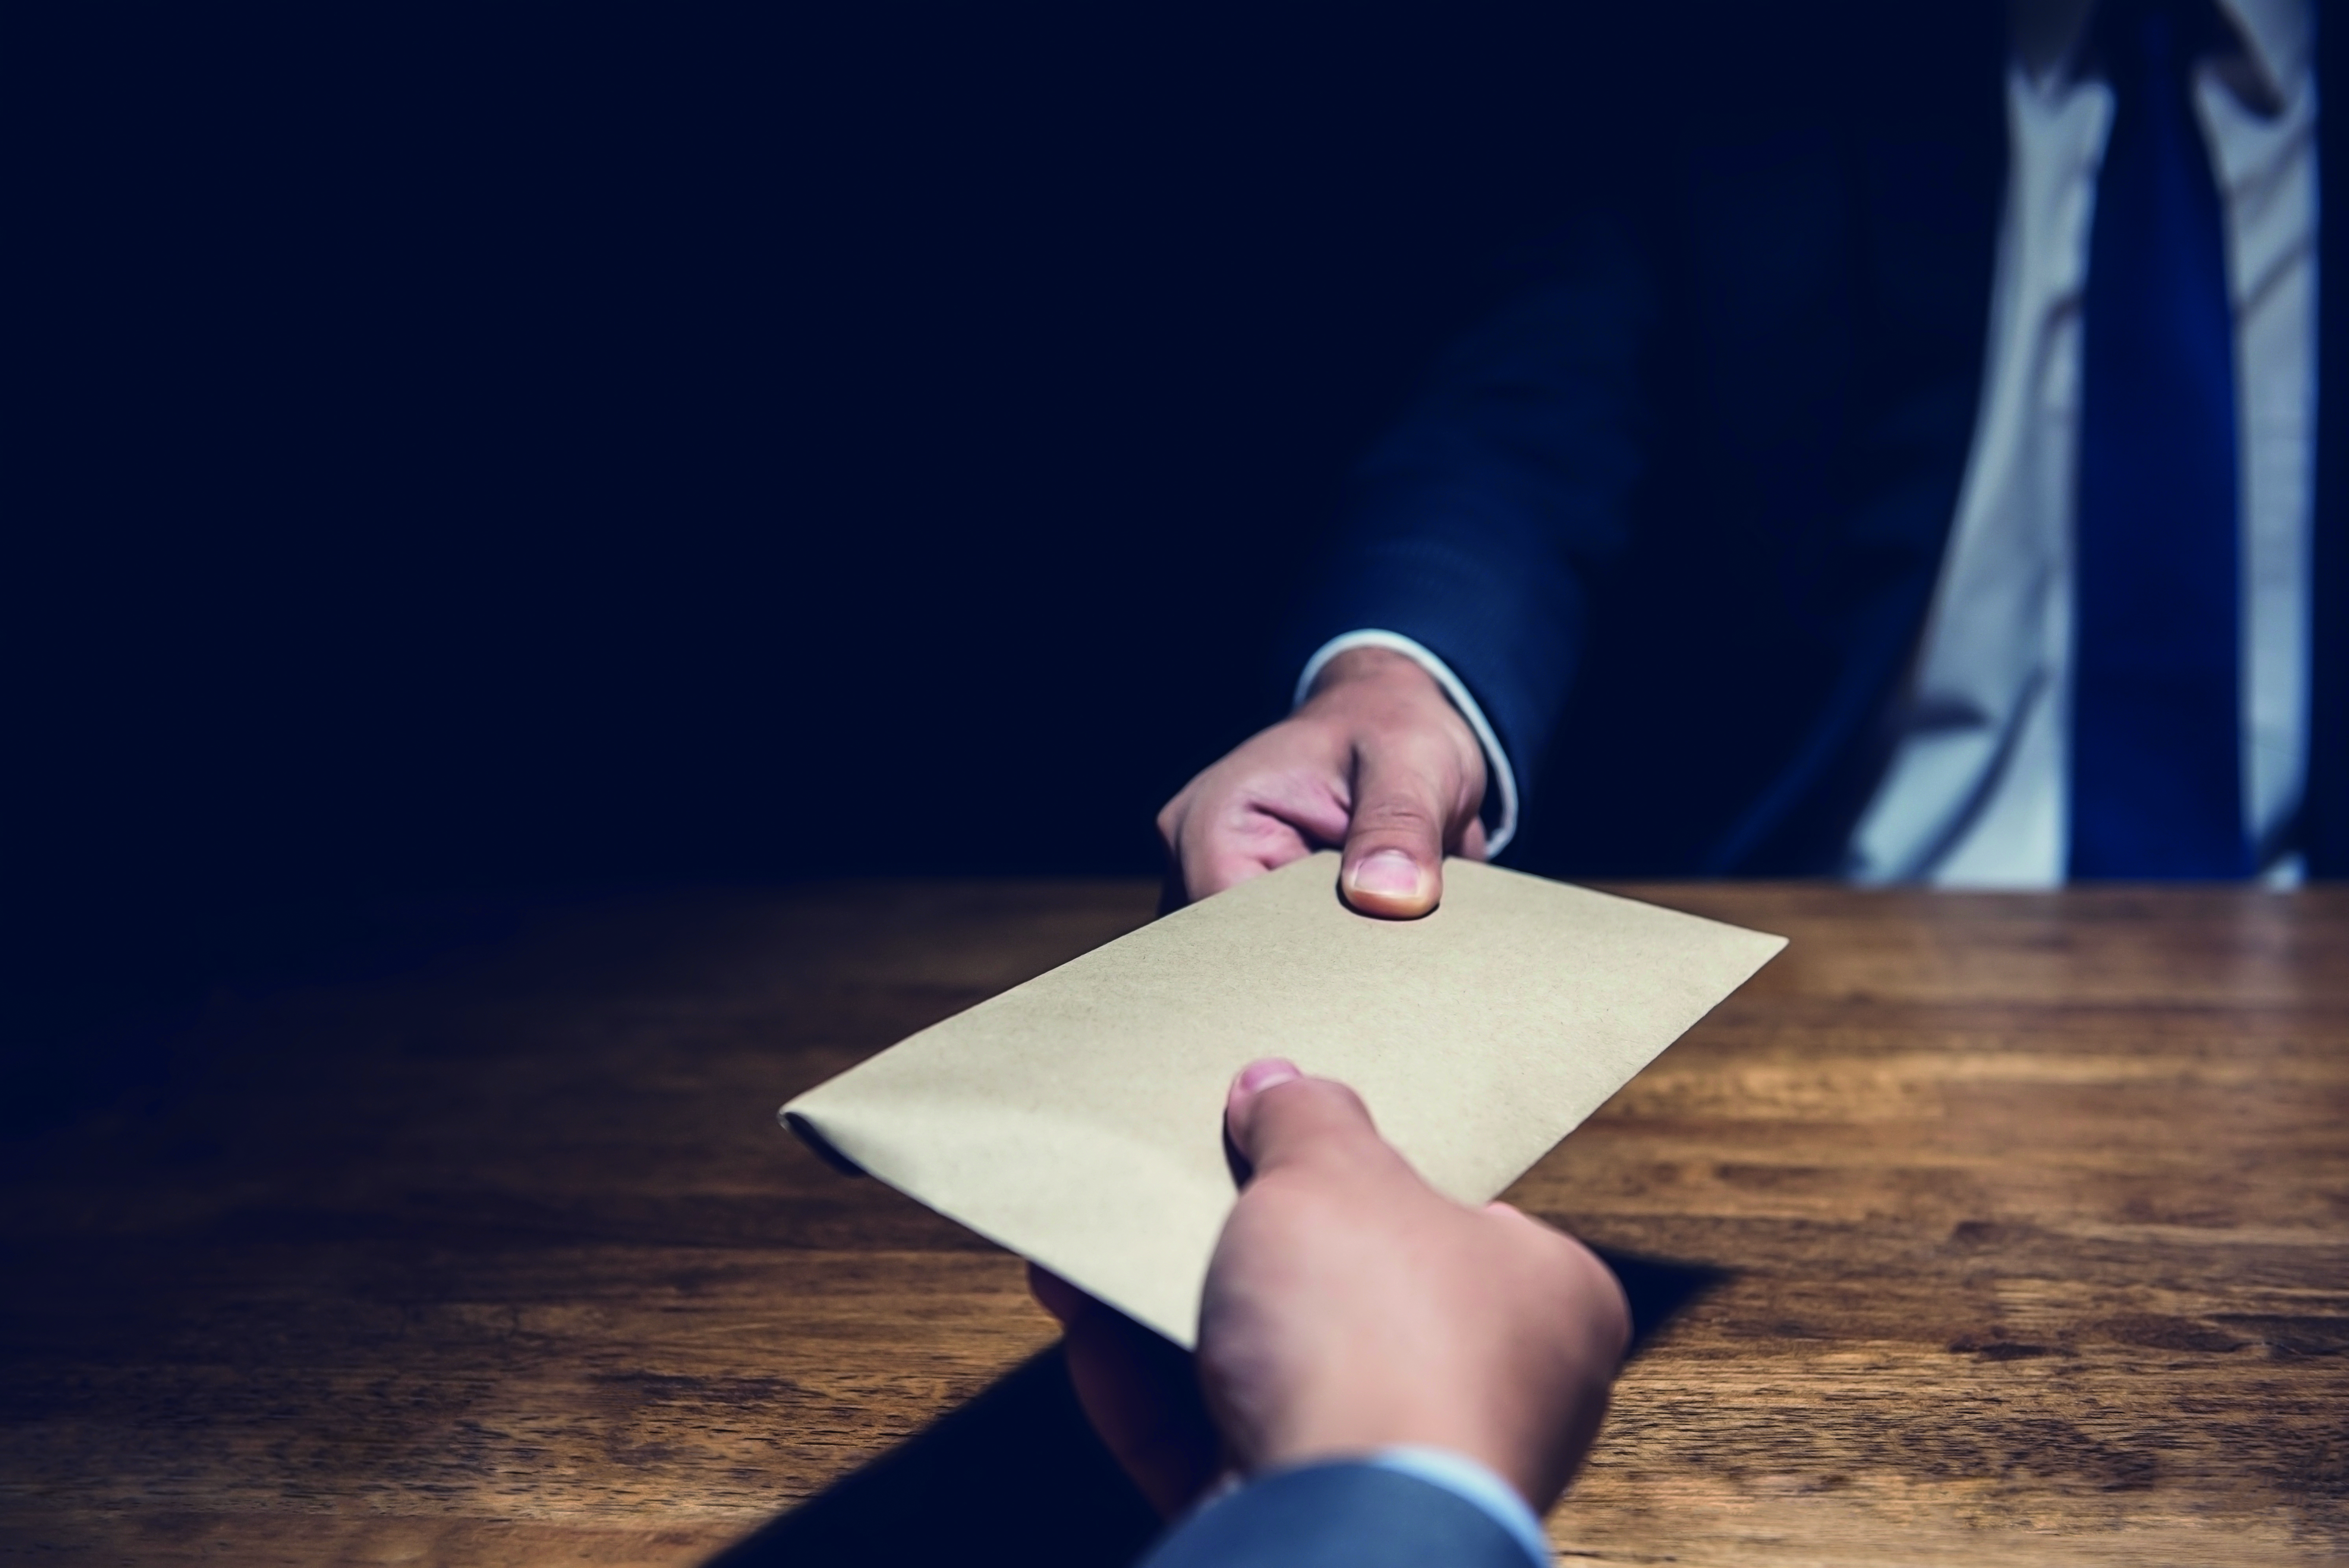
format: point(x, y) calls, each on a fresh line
point(481, 460)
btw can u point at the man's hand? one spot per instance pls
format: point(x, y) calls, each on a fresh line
point(1351, 1307)
point(1377, 759)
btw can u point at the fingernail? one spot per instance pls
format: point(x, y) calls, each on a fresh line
point(1386, 871)
point(1258, 1077)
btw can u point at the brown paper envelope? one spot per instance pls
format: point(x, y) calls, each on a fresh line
point(1078, 1118)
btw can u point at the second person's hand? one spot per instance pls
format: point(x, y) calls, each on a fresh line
point(1350, 1307)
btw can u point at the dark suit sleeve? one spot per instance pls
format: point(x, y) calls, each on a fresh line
point(1350, 1515)
point(1473, 527)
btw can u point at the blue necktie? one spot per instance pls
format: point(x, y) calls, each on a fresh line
point(2157, 735)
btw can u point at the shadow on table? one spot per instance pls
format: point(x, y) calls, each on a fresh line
point(1013, 1475)
point(1016, 1476)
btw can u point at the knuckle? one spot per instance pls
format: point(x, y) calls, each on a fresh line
point(1342, 1097)
point(1401, 816)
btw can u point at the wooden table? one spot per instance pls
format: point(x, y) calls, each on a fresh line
point(2027, 1220)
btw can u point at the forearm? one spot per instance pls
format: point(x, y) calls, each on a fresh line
point(1474, 529)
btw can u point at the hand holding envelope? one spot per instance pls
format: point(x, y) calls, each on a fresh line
point(1075, 1119)
point(1350, 1308)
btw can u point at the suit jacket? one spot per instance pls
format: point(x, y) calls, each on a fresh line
point(1338, 1516)
point(1676, 513)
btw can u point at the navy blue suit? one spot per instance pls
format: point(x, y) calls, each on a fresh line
point(1338, 1516)
point(1676, 513)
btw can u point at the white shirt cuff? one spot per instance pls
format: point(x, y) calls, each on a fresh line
point(1497, 761)
point(1471, 1483)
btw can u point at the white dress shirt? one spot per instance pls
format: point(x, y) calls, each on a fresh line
point(1976, 794)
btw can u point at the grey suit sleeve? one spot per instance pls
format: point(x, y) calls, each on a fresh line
point(1347, 1515)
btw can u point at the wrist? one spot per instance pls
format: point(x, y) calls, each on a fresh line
point(1373, 667)
point(1465, 1438)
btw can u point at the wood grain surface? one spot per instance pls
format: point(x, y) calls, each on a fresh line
point(2027, 1218)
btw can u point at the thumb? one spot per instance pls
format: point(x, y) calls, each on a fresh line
point(1279, 1118)
point(1394, 837)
